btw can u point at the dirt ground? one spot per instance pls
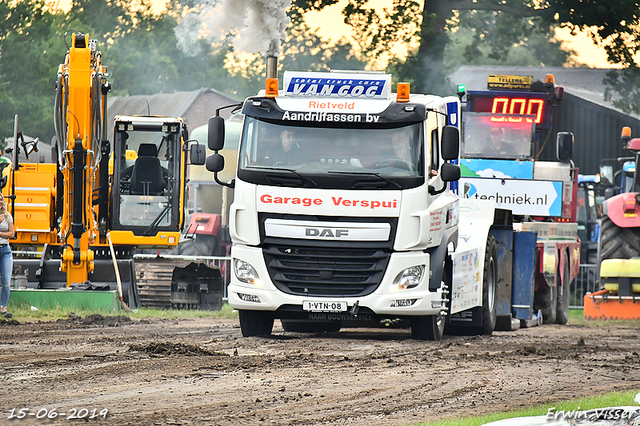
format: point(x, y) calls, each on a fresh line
point(202, 371)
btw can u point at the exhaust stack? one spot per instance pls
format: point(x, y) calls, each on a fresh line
point(272, 66)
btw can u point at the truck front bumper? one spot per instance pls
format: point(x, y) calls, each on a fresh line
point(387, 299)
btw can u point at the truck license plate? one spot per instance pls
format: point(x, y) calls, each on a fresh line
point(326, 306)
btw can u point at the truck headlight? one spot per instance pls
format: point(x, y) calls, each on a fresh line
point(408, 278)
point(245, 272)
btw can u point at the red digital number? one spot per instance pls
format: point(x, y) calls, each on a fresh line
point(519, 106)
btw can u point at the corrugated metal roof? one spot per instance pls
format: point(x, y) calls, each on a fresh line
point(166, 104)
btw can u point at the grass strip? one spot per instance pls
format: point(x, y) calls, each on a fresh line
point(613, 399)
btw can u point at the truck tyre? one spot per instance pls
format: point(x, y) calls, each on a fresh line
point(546, 300)
point(431, 327)
point(310, 327)
point(563, 293)
point(489, 287)
point(255, 323)
point(616, 242)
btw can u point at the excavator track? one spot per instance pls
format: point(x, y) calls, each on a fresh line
point(153, 277)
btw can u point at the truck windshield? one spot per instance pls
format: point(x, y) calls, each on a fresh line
point(390, 152)
point(486, 135)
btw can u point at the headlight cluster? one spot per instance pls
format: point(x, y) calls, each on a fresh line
point(409, 278)
point(245, 272)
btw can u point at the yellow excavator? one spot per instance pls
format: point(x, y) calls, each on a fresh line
point(79, 218)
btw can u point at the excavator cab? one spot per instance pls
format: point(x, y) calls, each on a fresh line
point(147, 191)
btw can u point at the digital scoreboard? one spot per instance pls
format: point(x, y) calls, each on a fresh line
point(518, 103)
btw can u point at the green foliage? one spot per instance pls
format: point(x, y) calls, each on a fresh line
point(491, 37)
point(377, 34)
point(480, 40)
point(497, 29)
point(29, 56)
point(140, 51)
point(622, 88)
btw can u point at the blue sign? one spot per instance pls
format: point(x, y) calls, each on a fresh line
point(340, 85)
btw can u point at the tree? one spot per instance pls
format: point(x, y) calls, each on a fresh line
point(30, 51)
point(483, 39)
point(426, 25)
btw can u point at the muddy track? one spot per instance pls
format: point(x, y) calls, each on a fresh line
point(193, 372)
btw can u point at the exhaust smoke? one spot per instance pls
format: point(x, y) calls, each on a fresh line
point(258, 26)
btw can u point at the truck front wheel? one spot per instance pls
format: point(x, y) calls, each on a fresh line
point(489, 287)
point(431, 327)
point(255, 323)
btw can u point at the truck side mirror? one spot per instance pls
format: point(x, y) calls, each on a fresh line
point(215, 136)
point(450, 143)
point(197, 154)
point(564, 146)
point(606, 174)
point(450, 172)
point(215, 163)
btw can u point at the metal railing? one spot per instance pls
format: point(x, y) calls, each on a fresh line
point(222, 263)
point(585, 282)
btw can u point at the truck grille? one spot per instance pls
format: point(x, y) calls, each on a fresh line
point(310, 271)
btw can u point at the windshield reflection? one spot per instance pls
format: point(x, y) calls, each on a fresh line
point(395, 152)
point(497, 136)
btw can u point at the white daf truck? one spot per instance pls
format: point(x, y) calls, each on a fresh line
point(346, 209)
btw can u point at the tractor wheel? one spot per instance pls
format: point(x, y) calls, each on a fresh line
point(616, 242)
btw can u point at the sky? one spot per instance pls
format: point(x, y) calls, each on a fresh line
point(330, 25)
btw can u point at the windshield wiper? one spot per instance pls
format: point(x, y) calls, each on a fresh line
point(311, 181)
point(158, 219)
point(379, 176)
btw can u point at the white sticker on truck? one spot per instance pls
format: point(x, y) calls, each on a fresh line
point(322, 202)
point(467, 286)
point(320, 84)
point(522, 197)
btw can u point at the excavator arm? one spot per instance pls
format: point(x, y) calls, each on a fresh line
point(80, 108)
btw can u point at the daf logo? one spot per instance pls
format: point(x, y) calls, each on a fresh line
point(326, 232)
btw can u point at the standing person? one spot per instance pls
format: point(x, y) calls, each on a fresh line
point(7, 230)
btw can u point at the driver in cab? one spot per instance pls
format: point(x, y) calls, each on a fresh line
point(497, 147)
point(286, 152)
